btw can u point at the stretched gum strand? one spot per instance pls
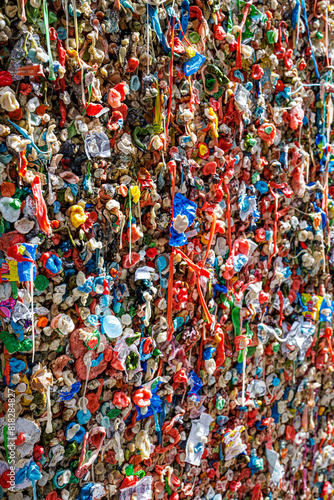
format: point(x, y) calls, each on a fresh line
point(170, 85)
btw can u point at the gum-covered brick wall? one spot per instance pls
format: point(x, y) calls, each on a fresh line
point(166, 250)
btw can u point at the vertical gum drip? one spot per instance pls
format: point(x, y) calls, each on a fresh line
point(130, 219)
point(77, 47)
point(148, 40)
point(32, 310)
point(52, 76)
point(49, 412)
point(88, 365)
point(243, 376)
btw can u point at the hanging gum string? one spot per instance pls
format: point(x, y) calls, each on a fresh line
point(325, 194)
point(89, 98)
point(130, 219)
point(66, 17)
point(88, 367)
point(281, 300)
point(200, 352)
point(139, 209)
point(52, 75)
point(121, 232)
point(317, 16)
point(74, 5)
point(83, 450)
point(275, 196)
point(275, 224)
point(93, 475)
point(170, 85)
point(297, 34)
point(280, 30)
point(309, 40)
point(172, 171)
point(328, 61)
point(212, 233)
point(170, 328)
point(238, 63)
point(244, 358)
point(33, 482)
point(148, 40)
point(200, 271)
point(32, 310)
point(186, 39)
point(228, 215)
point(329, 107)
point(48, 429)
point(205, 307)
point(323, 249)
